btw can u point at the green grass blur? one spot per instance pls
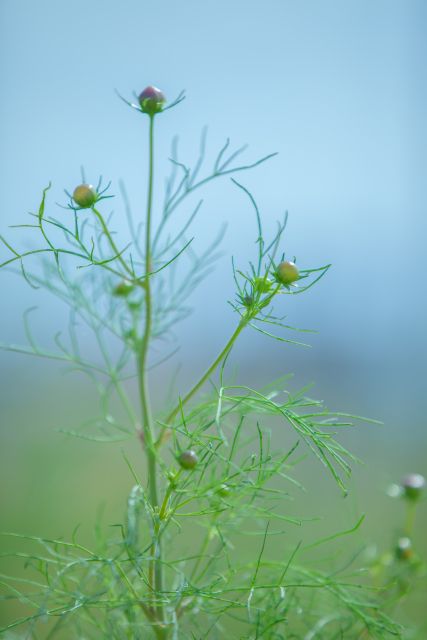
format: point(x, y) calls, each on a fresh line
point(52, 483)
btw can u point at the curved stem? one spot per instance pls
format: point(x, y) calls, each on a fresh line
point(112, 243)
point(225, 351)
point(147, 419)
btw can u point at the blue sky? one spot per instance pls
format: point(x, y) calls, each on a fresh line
point(338, 89)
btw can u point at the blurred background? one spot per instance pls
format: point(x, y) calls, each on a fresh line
point(339, 91)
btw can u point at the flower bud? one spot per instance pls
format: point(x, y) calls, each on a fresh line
point(247, 301)
point(134, 305)
point(413, 485)
point(188, 459)
point(224, 491)
point(172, 478)
point(131, 336)
point(262, 285)
point(85, 196)
point(151, 100)
point(123, 289)
point(404, 549)
point(287, 272)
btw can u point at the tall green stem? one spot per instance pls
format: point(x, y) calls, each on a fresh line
point(143, 353)
point(411, 509)
point(147, 418)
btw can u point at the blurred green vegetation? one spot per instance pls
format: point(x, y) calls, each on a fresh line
point(52, 483)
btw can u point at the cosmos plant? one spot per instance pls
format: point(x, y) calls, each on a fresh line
point(204, 550)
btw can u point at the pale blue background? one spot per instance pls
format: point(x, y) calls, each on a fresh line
point(337, 88)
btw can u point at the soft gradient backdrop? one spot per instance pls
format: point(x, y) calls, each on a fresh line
point(339, 90)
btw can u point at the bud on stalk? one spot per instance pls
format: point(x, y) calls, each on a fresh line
point(151, 100)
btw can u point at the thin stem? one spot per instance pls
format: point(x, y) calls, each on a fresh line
point(147, 419)
point(112, 243)
point(411, 509)
point(204, 547)
point(125, 401)
point(165, 435)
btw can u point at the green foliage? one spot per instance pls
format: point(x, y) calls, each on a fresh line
point(171, 569)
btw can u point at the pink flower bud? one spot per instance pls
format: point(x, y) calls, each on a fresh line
point(151, 100)
point(413, 485)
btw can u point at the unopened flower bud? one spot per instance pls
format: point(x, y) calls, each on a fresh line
point(172, 479)
point(151, 100)
point(287, 272)
point(85, 196)
point(188, 459)
point(413, 485)
point(262, 285)
point(404, 549)
point(123, 289)
point(224, 491)
point(131, 336)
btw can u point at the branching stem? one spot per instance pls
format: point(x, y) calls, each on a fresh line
point(165, 435)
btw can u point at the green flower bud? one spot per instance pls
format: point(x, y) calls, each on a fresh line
point(123, 289)
point(224, 491)
point(404, 549)
point(134, 304)
point(188, 459)
point(172, 478)
point(413, 485)
point(151, 100)
point(247, 301)
point(287, 272)
point(85, 196)
point(262, 285)
point(131, 335)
